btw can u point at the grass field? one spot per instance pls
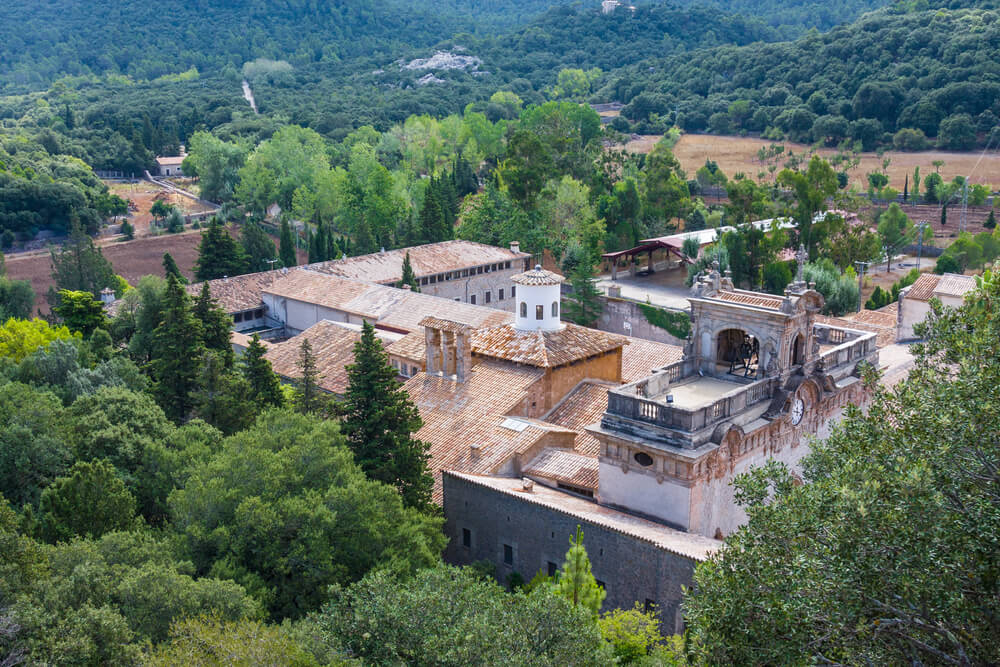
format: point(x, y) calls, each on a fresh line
point(739, 154)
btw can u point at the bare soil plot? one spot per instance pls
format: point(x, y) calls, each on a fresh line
point(143, 194)
point(739, 154)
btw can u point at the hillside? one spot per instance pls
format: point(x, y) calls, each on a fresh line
point(925, 70)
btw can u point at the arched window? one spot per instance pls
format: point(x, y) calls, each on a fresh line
point(539, 312)
point(524, 309)
point(555, 309)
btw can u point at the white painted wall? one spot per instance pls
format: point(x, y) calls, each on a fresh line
point(533, 296)
point(640, 492)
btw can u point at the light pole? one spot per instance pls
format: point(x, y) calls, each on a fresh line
point(921, 226)
point(862, 267)
point(270, 263)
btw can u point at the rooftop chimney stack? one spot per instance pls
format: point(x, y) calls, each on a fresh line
point(448, 348)
point(515, 246)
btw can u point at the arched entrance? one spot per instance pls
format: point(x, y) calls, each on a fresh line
point(737, 353)
point(799, 350)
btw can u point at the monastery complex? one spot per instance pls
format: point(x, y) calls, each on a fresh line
point(537, 425)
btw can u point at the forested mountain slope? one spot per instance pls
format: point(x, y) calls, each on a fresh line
point(884, 72)
point(41, 40)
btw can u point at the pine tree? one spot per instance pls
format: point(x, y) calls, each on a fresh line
point(257, 247)
point(364, 242)
point(576, 582)
point(379, 420)
point(583, 305)
point(991, 221)
point(80, 265)
point(265, 388)
point(310, 246)
point(218, 254)
point(220, 398)
point(944, 215)
point(176, 353)
point(463, 177)
point(906, 187)
point(170, 268)
point(287, 243)
point(409, 278)
point(319, 244)
point(308, 397)
point(215, 325)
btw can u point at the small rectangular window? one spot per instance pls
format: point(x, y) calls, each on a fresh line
point(472, 299)
point(479, 269)
point(553, 568)
point(513, 291)
point(238, 317)
point(466, 538)
point(465, 273)
point(423, 281)
point(487, 297)
point(500, 295)
point(259, 313)
point(506, 265)
point(508, 554)
point(433, 279)
point(539, 312)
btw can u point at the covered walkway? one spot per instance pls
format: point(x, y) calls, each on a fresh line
point(668, 245)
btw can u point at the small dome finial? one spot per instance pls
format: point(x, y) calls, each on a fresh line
point(538, 267)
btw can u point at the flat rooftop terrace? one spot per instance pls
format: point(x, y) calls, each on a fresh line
point(698, 392)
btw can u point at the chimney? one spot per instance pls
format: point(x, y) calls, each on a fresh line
point(448, 348)
point(515, 246)
point(432, 340)
point(107, 295)
point(527, 485)
point(463, 354)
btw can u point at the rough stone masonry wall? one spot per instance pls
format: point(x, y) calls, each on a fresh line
point(463, 288)
point(616, 312)
point(631, 569)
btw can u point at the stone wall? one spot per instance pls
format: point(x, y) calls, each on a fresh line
point(623, 316)
point(632, 570)
point(464, 288)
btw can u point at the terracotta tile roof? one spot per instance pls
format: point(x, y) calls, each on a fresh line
point(543, 349)
point(564, 466)
point(242, 340)
point(954, 284)
point(537, 276)
point(406, 313)
point(640, 356)
point(885, 334)
point(923, 288)
point(688, 545)
point(328, 291)
point(443, 325)
point(426, 260)
point(458, 415)
point(412, 346)
point(239, 292)
point(172, 160)
point(887, 316)
point(751, 298)
point(333, 346)
point(583, 406)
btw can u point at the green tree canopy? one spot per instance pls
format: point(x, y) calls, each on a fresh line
point(218, 254)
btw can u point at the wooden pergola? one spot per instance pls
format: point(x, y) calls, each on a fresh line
point(647, 246)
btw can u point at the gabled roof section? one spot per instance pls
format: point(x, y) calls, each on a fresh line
point(543, 349)
point(239, 292)
point(323, 290)
point(426, 260)
point(923, 288)
point(332, 345)
point(583, 406)
point(954, 284)
point(563, 466)
point(641, 356)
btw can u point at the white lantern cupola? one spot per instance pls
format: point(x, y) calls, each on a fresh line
point(538, 296)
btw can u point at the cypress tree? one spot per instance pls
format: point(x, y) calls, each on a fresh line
point(215, 325)
point(287, 242)
point(906, 187)
point(991, 221)
point(576, 582)
point(320, 243)
point(409, 278)
point(583, 304)
point(308, 399)
point(379, 420)
point(463, 177)
point(220, 398)
point(176, 353)
point(170, 268)
point(265, 388)
point(364, 242)
point(944, 215)
point(257, 246)
point(80, 266)
point(218, 254)
point(310, 246)
point(432, 221)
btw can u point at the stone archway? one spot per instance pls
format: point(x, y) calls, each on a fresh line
point(798, 350)
point(737, 352)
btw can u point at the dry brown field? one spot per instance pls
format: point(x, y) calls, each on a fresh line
point(739, 154)
point(130, 259)
point(143, 194)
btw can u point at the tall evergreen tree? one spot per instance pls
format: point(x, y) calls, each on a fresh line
point(379, 420)
point(265, 388)
point(80, 265)
point(170, 268)
point(308, 395)
point(218, 254)
point(583, 304)
point(364, 242)
point(287, 243)
point(944, 214)
point(463, 177)
point(220, 398)
point(432, 223)
point(80, 311)
point(176, 353)
point(409, 278)
point(991, 221)
point(906, 188)
point(215, 325)
point(257, 246)
point(576, 582)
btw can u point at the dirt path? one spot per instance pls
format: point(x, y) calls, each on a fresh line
point(248, 95)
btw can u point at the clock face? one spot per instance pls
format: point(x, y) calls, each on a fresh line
point(798, 409)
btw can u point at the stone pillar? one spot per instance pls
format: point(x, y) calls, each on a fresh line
point(463, 356)
point(448, 352)
point(432, 341)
